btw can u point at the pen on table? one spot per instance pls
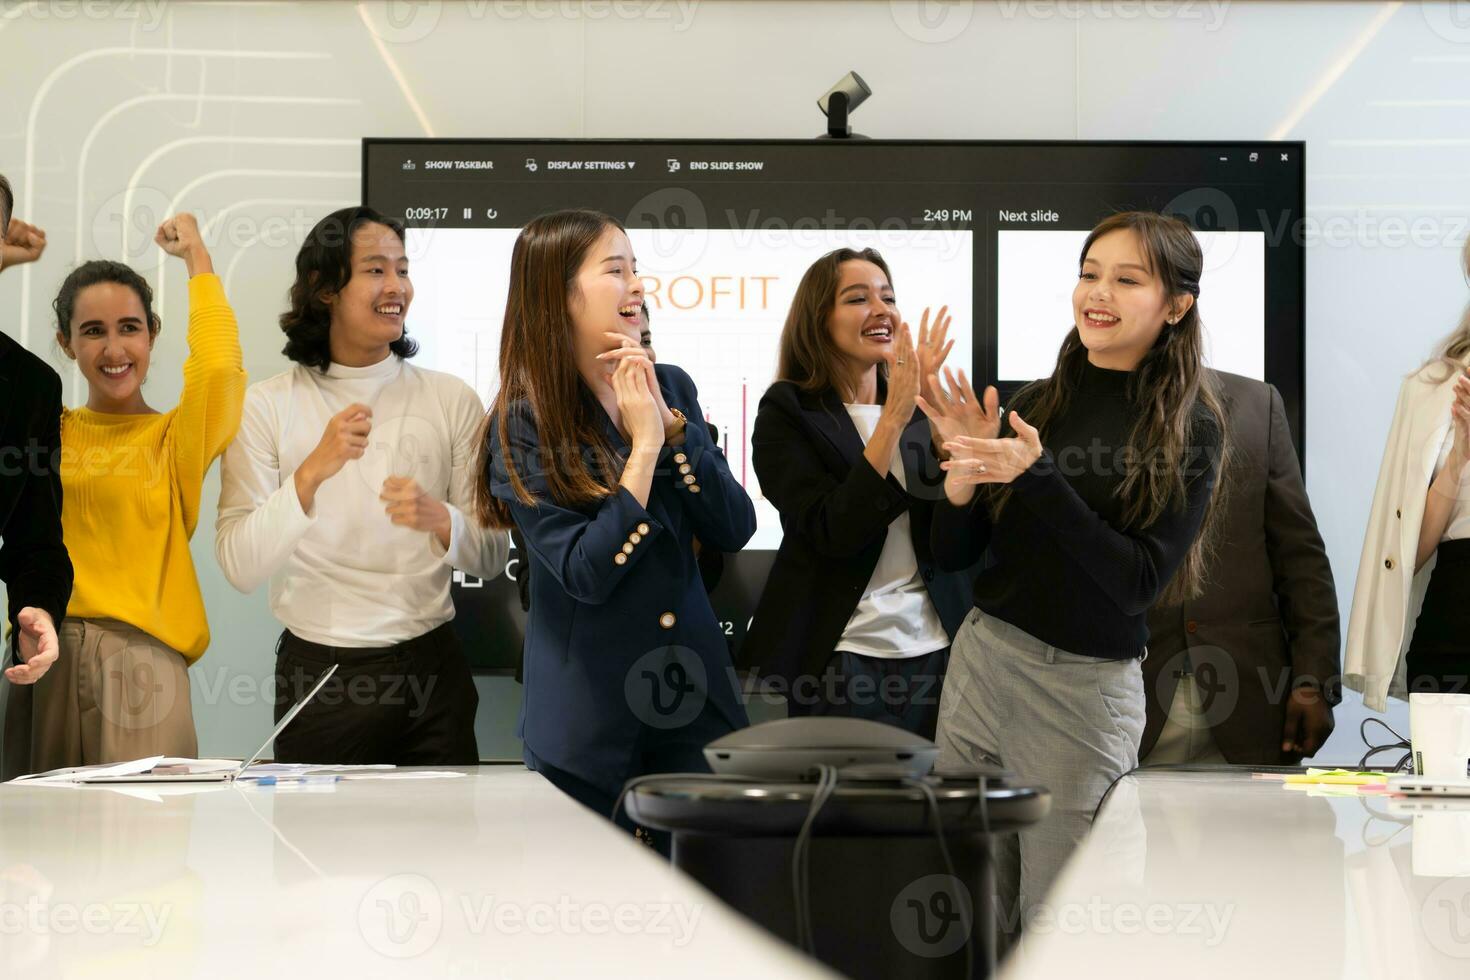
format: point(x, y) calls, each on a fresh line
point(286, 780)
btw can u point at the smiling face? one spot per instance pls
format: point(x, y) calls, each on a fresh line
point(1119, 304)
point(864, 319)
point(111, 343)
point(606, 296)
point(368, 313)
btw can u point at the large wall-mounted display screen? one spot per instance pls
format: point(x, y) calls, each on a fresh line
point(724, 230)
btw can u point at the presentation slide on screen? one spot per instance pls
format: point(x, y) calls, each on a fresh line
point(724, 230)
point(1036, 273)
point(717, 300)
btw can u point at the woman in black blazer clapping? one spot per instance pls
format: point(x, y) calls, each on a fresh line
point(855, 619)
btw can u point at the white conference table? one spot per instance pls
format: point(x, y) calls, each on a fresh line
point(1203, 874)
point(494, 875)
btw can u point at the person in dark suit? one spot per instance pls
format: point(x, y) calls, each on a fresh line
point(601, 461)
point(1248, 672)
point(855, 619)
point(711, 562)
point(33, 561)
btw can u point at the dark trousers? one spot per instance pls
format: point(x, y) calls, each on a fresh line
point(410, 704)
point(657, 751)
point(1439, 673)
point(904, 693)
point(1438, 659)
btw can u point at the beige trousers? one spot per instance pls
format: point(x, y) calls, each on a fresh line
point(114, 694)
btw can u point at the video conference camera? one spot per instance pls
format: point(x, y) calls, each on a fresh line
point(840, 101)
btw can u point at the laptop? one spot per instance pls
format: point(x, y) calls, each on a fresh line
point(159, 771)
point(1429, 786)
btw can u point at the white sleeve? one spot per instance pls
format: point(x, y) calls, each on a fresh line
point(473, 548)
point(260, 518)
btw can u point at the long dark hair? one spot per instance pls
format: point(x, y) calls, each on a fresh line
point(323, 267)
point(100, 271)
point(808, 355)
point(538, 369)
point(1170, 385)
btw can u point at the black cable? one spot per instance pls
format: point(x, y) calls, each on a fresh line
point(1402, 743)
point(988, 879)
point(801, 859)
point(923, 786)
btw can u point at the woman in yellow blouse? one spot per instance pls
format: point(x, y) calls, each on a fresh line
point(131, 478)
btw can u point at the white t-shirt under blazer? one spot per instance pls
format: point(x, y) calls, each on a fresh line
point(895, 617)
point(343, 574)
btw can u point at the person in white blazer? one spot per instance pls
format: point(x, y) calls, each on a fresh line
point(1419, 520)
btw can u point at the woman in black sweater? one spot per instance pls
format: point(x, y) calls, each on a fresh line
point(855, 619)
point(1095, 503)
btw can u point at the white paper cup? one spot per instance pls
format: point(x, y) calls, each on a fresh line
point(1439, 730)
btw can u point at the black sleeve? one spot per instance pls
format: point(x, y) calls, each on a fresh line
point(840, 518)
point(1131, 567)
point(1300, 570)
point(958, 536)
point(33, 561)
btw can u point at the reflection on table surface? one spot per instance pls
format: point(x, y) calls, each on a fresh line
point(493, 875)
point(1214, 873)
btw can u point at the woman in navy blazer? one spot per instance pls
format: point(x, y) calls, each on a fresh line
point(588, 454)
point(855, 619)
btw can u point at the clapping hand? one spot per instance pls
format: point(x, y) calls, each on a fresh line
point(974, 461)
point(955, 412)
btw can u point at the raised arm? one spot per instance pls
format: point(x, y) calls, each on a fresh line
point(960, 530)
point(1449, 483)
point(214, 377)
point(21, 243)
point(839, 518)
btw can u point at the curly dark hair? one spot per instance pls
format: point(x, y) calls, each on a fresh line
point(323, 267)
point(99, 271)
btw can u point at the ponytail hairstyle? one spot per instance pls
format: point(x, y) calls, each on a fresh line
point(99, 271)
point(538, 369)
point(1170, 385)
point(808, 355)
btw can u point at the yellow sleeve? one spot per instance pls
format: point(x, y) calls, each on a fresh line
point(209, 409)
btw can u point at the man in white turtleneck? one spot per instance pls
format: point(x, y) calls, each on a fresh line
point(350, 488)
